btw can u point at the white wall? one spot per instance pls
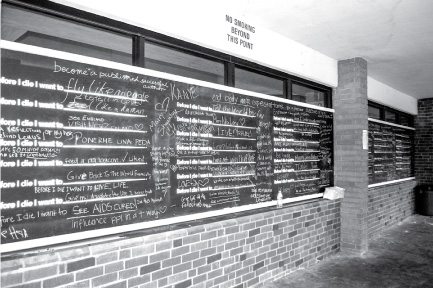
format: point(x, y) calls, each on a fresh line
point(383, 94)
point(204, 23)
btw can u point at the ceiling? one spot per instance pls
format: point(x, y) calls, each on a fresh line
point(394, 36)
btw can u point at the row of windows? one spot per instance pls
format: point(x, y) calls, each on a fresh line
point(384, 113)
point(53, 32)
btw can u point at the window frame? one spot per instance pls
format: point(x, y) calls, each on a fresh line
point(263, 73)
point(140, 36)
point(375, 107)
point(382, 108)
point(143, 59)
point(327, 92)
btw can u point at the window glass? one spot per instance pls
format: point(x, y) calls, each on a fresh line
point(260, 83)
point(172, 61)
point(373, 112)
point(390, 116)
point(404, 120)
point(308, 95)
point(32, 28)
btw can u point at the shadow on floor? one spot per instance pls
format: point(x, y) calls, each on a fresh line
point(401, 257)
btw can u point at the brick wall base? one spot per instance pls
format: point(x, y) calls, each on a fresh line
point(388, 205)
point(241, 252)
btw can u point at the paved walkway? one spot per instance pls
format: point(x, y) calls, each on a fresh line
point(402, 257)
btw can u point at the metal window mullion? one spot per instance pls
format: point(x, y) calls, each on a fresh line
point(138, 51)
point(229, 74)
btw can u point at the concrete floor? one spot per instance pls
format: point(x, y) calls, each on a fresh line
point(402, 257)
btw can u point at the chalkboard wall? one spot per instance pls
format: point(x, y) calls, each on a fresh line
point(86, 147)
point(390, 152)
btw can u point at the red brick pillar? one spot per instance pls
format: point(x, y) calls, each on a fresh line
point(351, 160)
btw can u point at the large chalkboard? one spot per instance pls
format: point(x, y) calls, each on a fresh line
point(87, 147)
point(390, 152)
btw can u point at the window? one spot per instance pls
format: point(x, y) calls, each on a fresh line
point(385, 113)
point(28, 27)
point(405, 120)
point(164, 59)
point(390, 116)
point(55, 26)
point(260, 83)
point(373, 112)
point(308, 95)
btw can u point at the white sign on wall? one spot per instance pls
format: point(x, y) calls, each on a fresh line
point(240, 33)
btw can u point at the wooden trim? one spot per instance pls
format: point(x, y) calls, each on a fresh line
point(390, 182)
point(99, 239)
point(390, 124)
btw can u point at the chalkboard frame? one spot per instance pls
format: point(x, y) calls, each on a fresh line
point(398, 180)
point(47, 241)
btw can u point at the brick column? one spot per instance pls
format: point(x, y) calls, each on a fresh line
point(351, 161)
point(424, 142)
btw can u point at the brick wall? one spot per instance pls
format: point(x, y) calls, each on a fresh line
point(240, 252)
point(351, 161)
point(388, 205)
point(424, 142)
